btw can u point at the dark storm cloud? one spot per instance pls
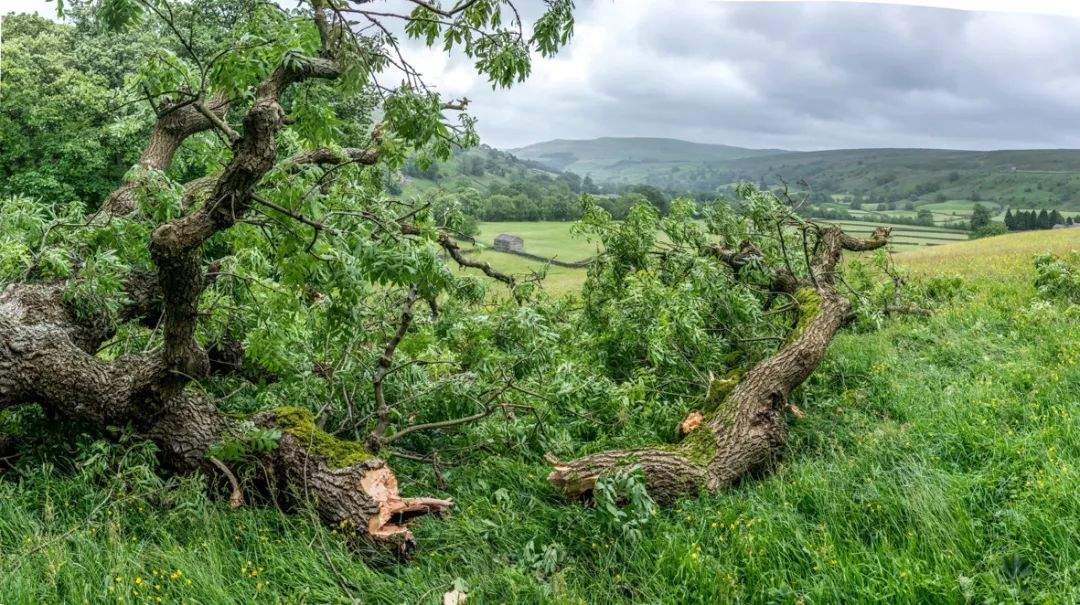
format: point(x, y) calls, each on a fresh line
point(794, 75)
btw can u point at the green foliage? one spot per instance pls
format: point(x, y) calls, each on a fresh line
point(119, 14)
point(490, 185)
point(94, 292)
point(499, 52)
point(49, 242)
point(251, 442)
point(656, 302)
point(623, 503)
point(544, 561)
point(989, 229)
point(159, 197)
point(1058, 277)
point(980, 217)
point(64, 138)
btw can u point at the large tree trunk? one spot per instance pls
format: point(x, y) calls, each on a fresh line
point(745, 428)
point(47, 352)
point(46, 357)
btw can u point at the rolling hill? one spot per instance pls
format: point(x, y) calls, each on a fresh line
point(629, 159)
point(1021, 178)
point(1041, 178)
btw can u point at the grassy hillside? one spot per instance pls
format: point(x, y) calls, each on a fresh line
point(629, 158)
point(1002, 255)
point(1021, 179)
point(947, 182)
point(939, 461)
point(482, 167)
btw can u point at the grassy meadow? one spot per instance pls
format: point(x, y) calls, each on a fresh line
point(554, 239)
point(939, 461)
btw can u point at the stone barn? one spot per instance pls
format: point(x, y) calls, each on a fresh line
point(504, 242)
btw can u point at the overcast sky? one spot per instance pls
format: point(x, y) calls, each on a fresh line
point(795, 75)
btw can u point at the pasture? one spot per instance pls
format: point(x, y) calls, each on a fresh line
point(555, 239)
point(552, 239)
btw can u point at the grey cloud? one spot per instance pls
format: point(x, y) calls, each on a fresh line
point(800, 76)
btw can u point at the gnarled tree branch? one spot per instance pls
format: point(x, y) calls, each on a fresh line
point(176, 122)
point(47, 348)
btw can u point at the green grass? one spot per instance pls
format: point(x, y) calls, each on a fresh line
point(1005, 255)
point(546, 238)
point(558, 280)
point(939, 461)
point(553, 239)
point(957, 208)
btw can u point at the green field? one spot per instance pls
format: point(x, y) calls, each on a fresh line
point(952, 207)
point(906, 236)
point(554, 239)
point(944, 213)
point(546, 238)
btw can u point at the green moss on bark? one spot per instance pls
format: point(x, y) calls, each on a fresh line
point(300, 423)
point(809, 301)
point(699, 446)
point(719, 390)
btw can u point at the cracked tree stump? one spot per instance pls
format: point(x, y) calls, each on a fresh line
point(46, 357)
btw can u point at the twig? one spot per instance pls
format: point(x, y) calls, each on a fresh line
point(236, 498)
point(385, 361)
point(442, 424)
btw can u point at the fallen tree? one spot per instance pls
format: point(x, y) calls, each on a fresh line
point(743, 428)
point(51, 339)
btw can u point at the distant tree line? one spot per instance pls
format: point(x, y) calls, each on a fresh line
point(1029, 220)
point(924, 218)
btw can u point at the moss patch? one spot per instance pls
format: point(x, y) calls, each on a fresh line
point(300, 423)
point(719, 390)
point(809, 302)
point(699, 446)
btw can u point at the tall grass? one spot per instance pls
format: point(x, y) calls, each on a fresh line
point(939, 461)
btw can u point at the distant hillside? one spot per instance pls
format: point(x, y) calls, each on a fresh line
point(630, 160)
point(480, 167)
point(1042, 178)
point(494, 185)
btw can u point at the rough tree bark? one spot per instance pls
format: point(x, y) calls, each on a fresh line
point(743, 429)
point(176, 122)
point(47, 352)
point(46, 357)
